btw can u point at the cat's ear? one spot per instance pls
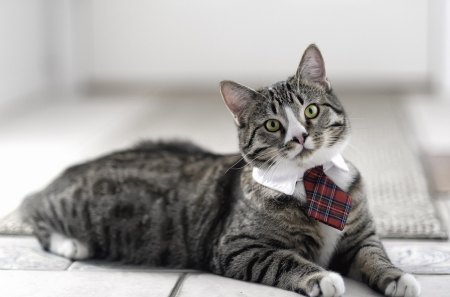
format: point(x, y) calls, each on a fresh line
point(312, 67)
point(237, 98)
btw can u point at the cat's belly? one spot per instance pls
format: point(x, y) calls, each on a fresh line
point(329, 234)
point(330, 237)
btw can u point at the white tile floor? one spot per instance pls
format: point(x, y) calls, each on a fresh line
point(86, 284)
point(25, 268)
point(37, 142)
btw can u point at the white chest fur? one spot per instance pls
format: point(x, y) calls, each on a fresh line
point(330, 237)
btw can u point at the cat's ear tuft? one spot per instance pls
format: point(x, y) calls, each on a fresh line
point(312, 67)
point(237, 98)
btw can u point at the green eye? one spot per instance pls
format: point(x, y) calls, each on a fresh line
point(273, 125)
point(311, 111)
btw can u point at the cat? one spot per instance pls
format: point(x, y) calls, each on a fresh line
point(173, 204)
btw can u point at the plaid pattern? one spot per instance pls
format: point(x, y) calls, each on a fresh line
point(327, 203)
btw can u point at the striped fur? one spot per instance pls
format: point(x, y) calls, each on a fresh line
point(176, 205)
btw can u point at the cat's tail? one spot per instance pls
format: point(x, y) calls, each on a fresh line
point(20, 220)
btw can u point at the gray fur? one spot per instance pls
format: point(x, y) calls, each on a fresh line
point(176, 205)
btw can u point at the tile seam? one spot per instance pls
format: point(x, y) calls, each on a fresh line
point(177, 288)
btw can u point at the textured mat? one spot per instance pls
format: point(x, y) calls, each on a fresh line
point(382, 149)
point(389, 163)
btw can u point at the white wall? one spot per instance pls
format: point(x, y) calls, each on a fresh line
point(23, 55)
point(439, 44)
point(69, 33)
point(54, 43)
point(203, 40)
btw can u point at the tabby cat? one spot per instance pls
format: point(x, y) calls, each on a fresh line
point(173, 204)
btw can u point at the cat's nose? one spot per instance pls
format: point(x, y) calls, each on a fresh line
point(300, 138)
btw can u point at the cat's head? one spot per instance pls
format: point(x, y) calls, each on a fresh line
point(298, 120)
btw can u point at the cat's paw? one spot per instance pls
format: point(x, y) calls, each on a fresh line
point(331, 285)
point(68, 247)
point(405, 286)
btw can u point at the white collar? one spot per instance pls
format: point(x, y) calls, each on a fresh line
point(284, 177)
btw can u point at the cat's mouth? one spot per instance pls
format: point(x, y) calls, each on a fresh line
point(304, 152)
point(296, 150)
point(299, 144)
point(299, 152)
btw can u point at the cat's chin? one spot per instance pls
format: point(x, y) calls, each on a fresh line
point(303, 155)
point(309, 158)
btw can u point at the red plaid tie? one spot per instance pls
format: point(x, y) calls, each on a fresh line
point(327, 203)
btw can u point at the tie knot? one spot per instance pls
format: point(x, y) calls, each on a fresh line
point(314, 173)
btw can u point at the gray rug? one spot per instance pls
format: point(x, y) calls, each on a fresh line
point(383, 150)
point(396, 184)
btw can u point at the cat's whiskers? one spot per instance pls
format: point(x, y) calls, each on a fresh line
point(276, 164)
point(280, 163)
point(274, 168)
point(273, 158)
point(232, 166)
point(249, 161)
point(270, 166)
point(271, 162)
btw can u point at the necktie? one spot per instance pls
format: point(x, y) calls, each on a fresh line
point(327, 203)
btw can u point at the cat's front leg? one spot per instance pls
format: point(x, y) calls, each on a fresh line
point(361, 254)
point(281, 268)
point(372, 265)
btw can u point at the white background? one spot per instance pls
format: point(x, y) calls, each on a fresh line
point(66, 43)
point(362, 40)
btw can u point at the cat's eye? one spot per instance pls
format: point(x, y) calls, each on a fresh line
point(273, 125)
point(311, 111)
